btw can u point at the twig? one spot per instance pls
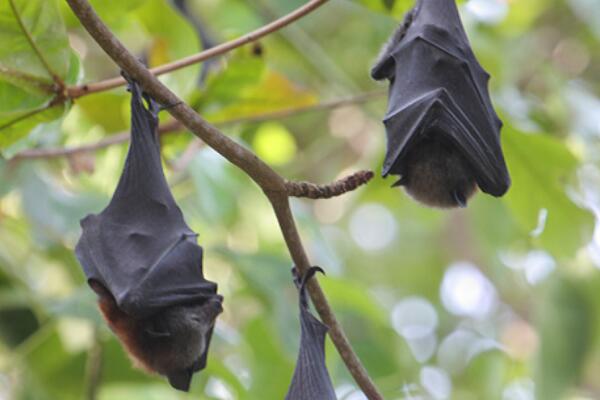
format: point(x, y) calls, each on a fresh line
point(337, 188)
point(93, 369)
point(82, 90)
point(175, 126)
point(55, 152)
point(270, 182)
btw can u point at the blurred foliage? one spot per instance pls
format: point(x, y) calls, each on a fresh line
point(498, 301)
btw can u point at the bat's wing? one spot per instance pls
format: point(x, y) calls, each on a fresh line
point(438, 88)
point(139, 247)
point(311, 380)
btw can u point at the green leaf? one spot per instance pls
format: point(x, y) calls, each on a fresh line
point(271, 371)
point(34, 54)
point(214, 182)
point(33, 30)
point(248, 88)
point(565, 326)
point(540, 168)
point(52, 367)
point(172, 38)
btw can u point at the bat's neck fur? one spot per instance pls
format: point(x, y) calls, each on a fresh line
point(437, 174)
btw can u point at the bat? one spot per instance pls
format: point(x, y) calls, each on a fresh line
point(443, 135)
point(144, 262)
point(311, 380)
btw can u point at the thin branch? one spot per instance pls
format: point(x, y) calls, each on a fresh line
point(55, 152)
point(270, 182)
point(176, 126)
point(59, 83)
point(82, 90)
point(93, 368)
point(337, 188)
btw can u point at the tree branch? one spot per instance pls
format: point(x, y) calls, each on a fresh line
point(174, 126)
point(270, 182)
point(82, 90)
point(337, 188)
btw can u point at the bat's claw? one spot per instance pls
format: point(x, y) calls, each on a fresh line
point(460, 199)
point(400, 182)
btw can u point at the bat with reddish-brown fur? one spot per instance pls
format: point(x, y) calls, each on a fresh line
point(145, 264)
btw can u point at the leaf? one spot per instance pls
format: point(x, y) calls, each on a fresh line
point(247, 88)
point(269, 366)
point(52, 210)
point(540, 167)
point(565, 326)
point(34, 54)
point(214, 180)
point(39, 22)
point(52, 367)
point(172, 38)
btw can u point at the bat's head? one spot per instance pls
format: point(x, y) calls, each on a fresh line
point(435, 173)
point(172, 342)
point(177, 340)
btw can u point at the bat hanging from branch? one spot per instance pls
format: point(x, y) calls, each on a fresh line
point(443, 135)
point(144, 263)
point(311, 380)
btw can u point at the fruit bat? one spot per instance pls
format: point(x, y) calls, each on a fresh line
point(143, 261)
point(443, 135)
point(311, 380)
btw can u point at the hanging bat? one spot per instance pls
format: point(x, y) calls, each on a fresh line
point(311, 380)
point(143, 261)
point(443, 135)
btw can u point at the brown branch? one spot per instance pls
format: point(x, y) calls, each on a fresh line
point(337, 188)
point(270, 182)
point(82, 90)
point(121, 137)
point(175, 126)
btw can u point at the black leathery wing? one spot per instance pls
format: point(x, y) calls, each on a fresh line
point(437, 87)
point(311, 379)
point(139, 247)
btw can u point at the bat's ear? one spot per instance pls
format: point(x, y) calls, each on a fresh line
point(384, 69)
point(99, 289)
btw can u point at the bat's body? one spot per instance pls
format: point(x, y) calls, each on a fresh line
point(144, 262)
point(436, 174)
point(443, 133)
